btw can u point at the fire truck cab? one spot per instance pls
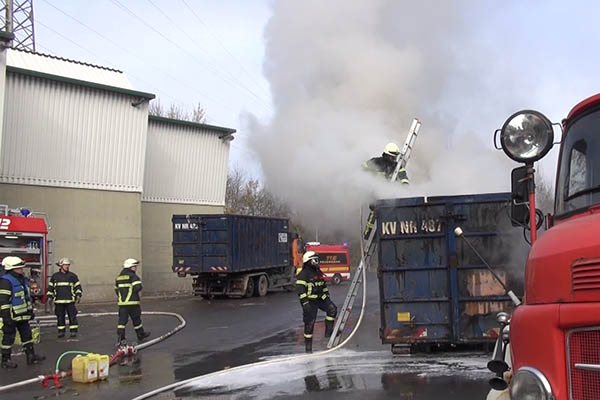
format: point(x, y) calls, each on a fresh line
point(555, 334)
point(25, 234)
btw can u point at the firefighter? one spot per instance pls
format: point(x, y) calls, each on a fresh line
point(64, 289)
point(128, 287)
point(17, 310)
point(386, 164)
point(314, 295)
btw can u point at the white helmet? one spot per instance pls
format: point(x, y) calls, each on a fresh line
point(64, 261)
point(130, 262)
point(12, 262)
point(392, 149)
point(310, 256)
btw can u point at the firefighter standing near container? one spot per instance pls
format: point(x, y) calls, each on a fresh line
point(128, 287)
point(314, 295)
point(64, 289)
point(16, 310)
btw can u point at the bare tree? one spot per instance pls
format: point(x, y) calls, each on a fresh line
point(175, 111)
point(248, 196)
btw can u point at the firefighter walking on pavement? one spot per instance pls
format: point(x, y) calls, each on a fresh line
point(64, 289)
point(16, 310)
point(314, 295)
point(128, 287)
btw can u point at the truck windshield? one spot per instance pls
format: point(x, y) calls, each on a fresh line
point(579, 176)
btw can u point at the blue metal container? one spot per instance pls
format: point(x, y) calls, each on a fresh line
point(433, 288)
point(224, 243)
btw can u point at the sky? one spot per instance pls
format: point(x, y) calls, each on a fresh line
point(314, 88)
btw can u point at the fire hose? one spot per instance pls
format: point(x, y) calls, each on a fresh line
point(181, 384)
point(50, 320)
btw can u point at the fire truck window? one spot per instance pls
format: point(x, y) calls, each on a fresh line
point(578, 168)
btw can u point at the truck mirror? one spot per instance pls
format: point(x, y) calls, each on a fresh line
point(519, 210)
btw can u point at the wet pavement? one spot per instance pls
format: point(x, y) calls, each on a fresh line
point(225, 333)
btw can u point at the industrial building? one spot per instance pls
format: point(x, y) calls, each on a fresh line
point(77, 143)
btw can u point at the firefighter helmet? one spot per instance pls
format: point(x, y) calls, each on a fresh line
point(130, 262)
point(392, 149)
point(310, 256)
point(12, 262)
point(64, 261)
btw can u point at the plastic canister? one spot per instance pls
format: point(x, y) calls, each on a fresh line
point(103, 362)
point(85, 369)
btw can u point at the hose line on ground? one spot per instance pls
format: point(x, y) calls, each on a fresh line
point(182, 384)
point(50, 320)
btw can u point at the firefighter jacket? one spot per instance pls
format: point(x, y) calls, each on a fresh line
point(64, 287)
point(128, 287)
point(15, 297)
point(310, 284)
point(385, 167)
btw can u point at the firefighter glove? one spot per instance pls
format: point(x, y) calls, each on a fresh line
point(78, 299)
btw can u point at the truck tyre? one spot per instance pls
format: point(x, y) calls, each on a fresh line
point(337, 279)
point(249, 288)
point(261, 286)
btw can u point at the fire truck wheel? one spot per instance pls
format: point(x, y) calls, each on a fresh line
point(262, 286)
point(249, 288)
point(337, 279)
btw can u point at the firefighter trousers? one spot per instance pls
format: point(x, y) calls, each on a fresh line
point(309, 316)
point(9, 333)
point(135, 312)
point(66, 308)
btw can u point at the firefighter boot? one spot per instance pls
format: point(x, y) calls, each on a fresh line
point(142, 335)
point(32, 358)
point(328, 328)
point(308, 345)
point(6, 362)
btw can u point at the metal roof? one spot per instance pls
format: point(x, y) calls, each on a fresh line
point(53, 65)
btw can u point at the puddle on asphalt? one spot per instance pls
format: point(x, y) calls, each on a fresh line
point(347, 373)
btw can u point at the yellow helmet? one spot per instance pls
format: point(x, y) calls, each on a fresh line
point(392, 149)
point(12, 262)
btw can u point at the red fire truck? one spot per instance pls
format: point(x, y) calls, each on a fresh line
point(334, 260)
point(25, 234)
point(554, 336)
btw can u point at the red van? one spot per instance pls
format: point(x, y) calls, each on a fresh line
point(334, 260)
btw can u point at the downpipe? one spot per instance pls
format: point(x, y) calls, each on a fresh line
point(50, 320)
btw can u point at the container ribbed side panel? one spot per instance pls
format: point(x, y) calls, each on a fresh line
point(185, 165)
point(59, 134)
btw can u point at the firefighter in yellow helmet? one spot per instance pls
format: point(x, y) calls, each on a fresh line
point(314, 295)
point(16, 310)
point(64, 289)
point(128, 287)
point(386, 164)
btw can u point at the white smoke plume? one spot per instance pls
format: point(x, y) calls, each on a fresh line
point(347, 77)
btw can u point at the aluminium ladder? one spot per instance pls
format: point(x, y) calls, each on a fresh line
point(370, 245)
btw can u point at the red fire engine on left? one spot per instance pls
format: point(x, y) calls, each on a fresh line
point(25, 234)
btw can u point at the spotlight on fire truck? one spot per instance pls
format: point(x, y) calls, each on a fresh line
point(529, 383)
point(526, 136)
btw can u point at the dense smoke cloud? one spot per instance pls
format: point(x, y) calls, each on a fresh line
point(348, 77)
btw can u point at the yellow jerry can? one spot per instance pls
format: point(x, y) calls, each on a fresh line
point(85, 369)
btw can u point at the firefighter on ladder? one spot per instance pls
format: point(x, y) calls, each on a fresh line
point(128, 287)
point(314, 295)
point(64, 289)
point(384, 166)
point(16, 310)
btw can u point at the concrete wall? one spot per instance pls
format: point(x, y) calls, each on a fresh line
point(97, 229)
point(157, 253)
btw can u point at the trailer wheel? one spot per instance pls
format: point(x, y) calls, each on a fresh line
point(337, 279)
point(262, 286)
point(249, 288)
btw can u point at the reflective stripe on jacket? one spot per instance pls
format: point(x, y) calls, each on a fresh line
point(64, 287)
point(128, 287)
point(20, 298)
point(310, 284)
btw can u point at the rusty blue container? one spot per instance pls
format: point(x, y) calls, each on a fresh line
point(225, 243)
point(433, 288)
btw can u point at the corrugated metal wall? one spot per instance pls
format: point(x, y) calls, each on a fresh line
point(185, 164)
point(59, 134)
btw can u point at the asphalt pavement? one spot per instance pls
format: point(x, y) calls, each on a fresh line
point(225, 333)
